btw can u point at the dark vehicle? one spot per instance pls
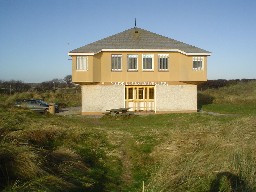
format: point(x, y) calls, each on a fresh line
point(37, 105)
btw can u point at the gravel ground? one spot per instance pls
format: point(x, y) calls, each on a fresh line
point(70, 111)
point(75, 111)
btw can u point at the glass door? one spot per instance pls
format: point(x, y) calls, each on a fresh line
point(140, 98)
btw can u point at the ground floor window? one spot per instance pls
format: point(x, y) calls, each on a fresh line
point(140, 98)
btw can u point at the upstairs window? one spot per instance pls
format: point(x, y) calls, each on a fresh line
point(132, 63)
point(197, 63)
point(116, 62)
point(81, 63)
point(163, 62)
point(148, 62)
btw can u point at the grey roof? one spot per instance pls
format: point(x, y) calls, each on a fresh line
point(137, 38)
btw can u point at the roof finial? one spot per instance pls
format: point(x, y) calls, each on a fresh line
point(135, 26)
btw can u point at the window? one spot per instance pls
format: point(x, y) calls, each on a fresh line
point(148, 62)
point(198, 63)
point(132, 63)
point(151, 93)
point(116, 63)
point(141, 90)
point(82, 63)
point(163, 62)
point(130, 94)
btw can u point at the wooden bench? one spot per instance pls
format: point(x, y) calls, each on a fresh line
point(120, 111)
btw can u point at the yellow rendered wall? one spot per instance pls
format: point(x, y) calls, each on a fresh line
point(180, 69)
point(83, 76)
point(97, 68)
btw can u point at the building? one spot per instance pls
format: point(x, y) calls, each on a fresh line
point(140, 70)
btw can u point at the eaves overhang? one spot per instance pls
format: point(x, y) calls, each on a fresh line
point(78, 54)
point(140, 50)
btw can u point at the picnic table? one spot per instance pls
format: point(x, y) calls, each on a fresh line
point(119, 111)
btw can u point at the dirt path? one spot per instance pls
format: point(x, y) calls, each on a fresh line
point(216, 114)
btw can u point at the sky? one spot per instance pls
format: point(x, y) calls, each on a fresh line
point(36, 35)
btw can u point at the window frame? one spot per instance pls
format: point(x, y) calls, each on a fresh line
point(163, 56)
point(82, 63)
point(148, 56)
point(114, 56)
point(198, 59)
point(128, 58)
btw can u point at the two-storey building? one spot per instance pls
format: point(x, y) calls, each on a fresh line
point(140, 70)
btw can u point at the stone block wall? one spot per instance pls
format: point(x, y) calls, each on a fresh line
point(176, 98)
point(99, 98)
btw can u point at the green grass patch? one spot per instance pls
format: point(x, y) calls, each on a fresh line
point(234, 99)
point(248, 109)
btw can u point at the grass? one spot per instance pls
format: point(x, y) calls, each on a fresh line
point(228, 108)
point(234, 99)
point(168, 152)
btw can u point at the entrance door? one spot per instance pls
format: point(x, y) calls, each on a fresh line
point(140, 98)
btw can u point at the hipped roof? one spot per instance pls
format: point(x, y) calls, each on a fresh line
point(138, 39)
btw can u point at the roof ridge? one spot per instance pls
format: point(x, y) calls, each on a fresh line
point(101, 39)
point(171, 39)
point(108, 36)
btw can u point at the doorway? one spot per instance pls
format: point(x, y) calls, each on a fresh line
point(140, 98)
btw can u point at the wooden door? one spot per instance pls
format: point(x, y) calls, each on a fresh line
point(140, 98)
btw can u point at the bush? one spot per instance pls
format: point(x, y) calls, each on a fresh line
point(204, 99)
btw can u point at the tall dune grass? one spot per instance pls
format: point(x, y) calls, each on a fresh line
point(169, 152)
point(243, 92)
point(234, 99)
point(64, 97)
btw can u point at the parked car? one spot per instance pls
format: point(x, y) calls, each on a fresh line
point(37, 105)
